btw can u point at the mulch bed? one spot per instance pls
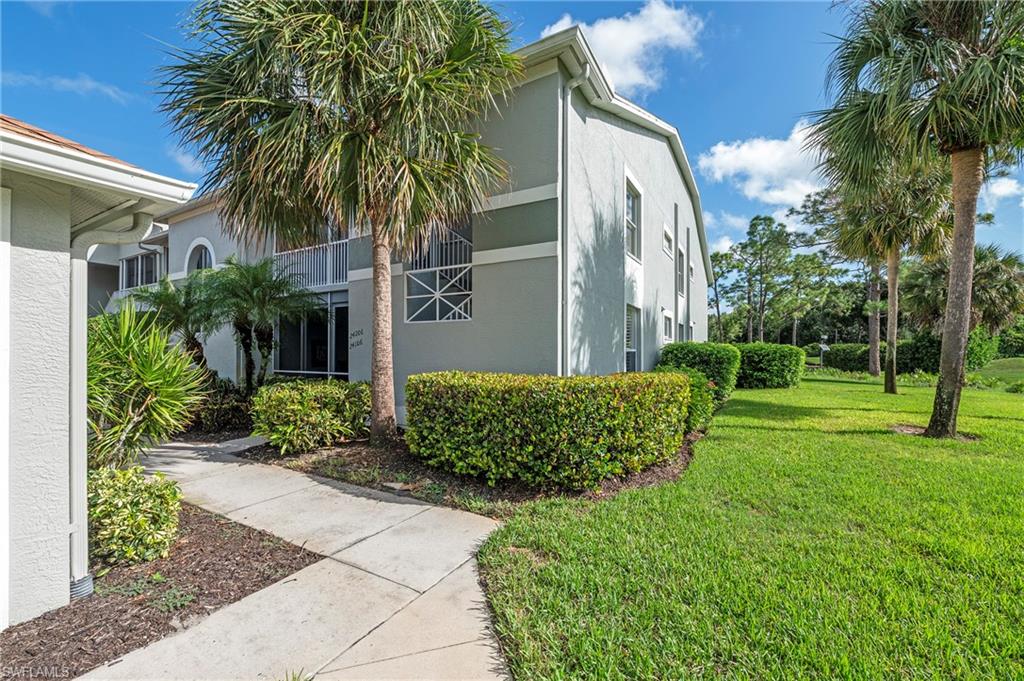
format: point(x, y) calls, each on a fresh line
point(216, 436)
point(213, 562)
point(394, 469)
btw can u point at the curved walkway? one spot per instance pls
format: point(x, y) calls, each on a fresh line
point(395, 597)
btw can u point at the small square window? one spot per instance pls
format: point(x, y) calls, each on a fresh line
point(633, 220)
point(667, 241)
point(668, 325)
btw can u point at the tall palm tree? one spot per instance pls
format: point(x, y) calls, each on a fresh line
point(997, 294)
point(932, 75)
point(904, 207)
point(184, 307)
point(325, 112)
point(252, 298)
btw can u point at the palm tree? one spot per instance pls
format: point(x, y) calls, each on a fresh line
point(997, 295)
point(184, 308)
point(342, 113)
point(252, 298)
point(924, 76)
point(905, 207)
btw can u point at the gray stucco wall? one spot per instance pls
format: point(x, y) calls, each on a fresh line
point(604, 148)
point(103, 282)
point(508, 332)
point(39, 333)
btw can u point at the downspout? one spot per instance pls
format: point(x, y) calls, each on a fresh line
point(563, 237)
point(688, 283)
point(78, 467)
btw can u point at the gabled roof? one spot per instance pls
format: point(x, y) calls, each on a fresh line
point(571, 49)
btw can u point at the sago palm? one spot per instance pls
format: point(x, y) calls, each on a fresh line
point(314, 113)
point(997, 295)
point(252, 298)
point(924, 75)
point(185, 308)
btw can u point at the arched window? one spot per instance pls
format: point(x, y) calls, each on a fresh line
point(200, 259)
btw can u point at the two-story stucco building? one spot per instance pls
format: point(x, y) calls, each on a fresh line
point(593, 258)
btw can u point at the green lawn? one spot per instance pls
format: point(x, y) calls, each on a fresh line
point(1009, 370)
point(805, 540)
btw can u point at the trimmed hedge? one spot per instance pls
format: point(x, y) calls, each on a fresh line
point(720, 362)
point(768, 365)
point(571, 432)
point(303, 415)
point(702, 398)
point(919, 354)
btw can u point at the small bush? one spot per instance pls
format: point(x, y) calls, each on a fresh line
point(225, 408)
point(142, 388)
point(847, 356)
point(1011, 340)
point(131, 519)
point(767, 365)
point(1017, 387)
point(921, 353)
point(300, 416)
point(571, 432)
point(812, 349)
point(720, 362)
point(702, 398)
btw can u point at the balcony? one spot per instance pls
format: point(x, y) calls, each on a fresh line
point(317, 266)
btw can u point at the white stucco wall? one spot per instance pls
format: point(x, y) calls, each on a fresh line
point(38, 396)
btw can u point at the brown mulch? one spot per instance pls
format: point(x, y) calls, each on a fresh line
point(213, 562)
point(394, 469)
point(911, 429)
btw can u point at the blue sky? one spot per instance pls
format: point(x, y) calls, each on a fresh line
point(736, 79)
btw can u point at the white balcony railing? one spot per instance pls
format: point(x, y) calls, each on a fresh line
point(315, 266)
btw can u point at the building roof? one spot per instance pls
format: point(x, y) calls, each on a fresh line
point(11, 124)
point(571, 48)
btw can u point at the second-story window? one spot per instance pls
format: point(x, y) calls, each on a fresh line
point(140, 270)
point(681, 272)
point(633, 218)
point(200, 259)
point(439, 278)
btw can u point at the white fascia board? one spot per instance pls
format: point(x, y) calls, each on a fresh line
point(571, 48)
point(34, 157)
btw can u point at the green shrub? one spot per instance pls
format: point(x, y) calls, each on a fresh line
point(300, 416)
point(225, 408)
point(571, 432)
point(720, 362)
point(131, 519)
point(812, 349)
point(847, 356)
point(1017, 387)
point(1011, 340)
point(702, 398)
point(921, 353)
point(768, 365)
point(142, 388)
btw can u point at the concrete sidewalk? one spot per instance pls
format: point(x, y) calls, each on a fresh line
point(396, 596)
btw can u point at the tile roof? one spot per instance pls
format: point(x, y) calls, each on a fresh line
point(22, 128)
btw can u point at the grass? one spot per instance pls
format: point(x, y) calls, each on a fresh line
point(1009, 370)
point(806, 540)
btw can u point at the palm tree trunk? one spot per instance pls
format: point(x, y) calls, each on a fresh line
point(968, 172)
point(383, 422)
point(244, 335)
point(892, 319)
point(195, 348)
point(874, 321)
point(265, 344)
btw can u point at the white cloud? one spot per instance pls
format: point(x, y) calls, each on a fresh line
point(710, 221)
point(721, 244)
point(779, 172)
point(82, 84)
point(186, 161)
point(631, 48)
point(998, 189)
point(734, 221)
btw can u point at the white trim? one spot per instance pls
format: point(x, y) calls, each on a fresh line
point(629, 180)
point(5, 404)
point(537, 72)
point(44, 159)
point(545, 249)
point(519, 197)
point(199, 241)
point(666, 316)
point(367, 272)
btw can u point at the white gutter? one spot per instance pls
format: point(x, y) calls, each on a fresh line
point(78, 465)
point(563, 239)
point(42, 159)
